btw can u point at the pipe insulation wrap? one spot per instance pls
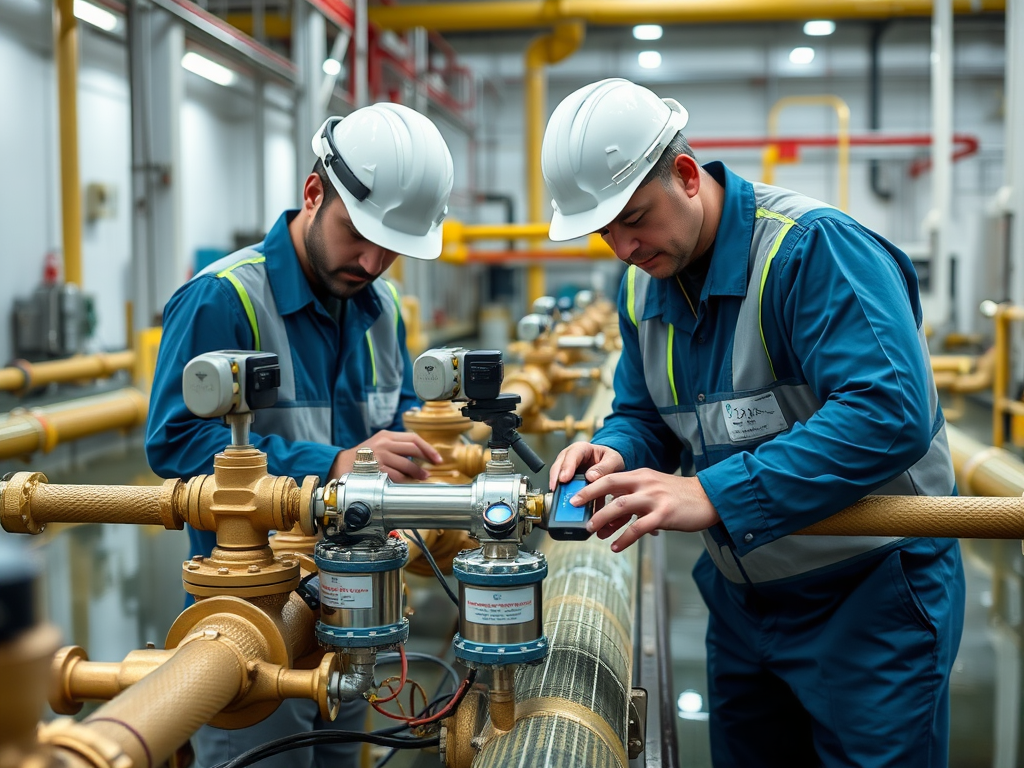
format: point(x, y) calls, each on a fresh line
point(576, 702)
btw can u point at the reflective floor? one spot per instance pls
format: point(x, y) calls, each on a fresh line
point(111, 589)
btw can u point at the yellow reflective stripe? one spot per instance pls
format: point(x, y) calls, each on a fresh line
point(398, 301)
point(787, 224)
point(631, 293)
point(668, 363)
point(243, 294)
point(373, 362)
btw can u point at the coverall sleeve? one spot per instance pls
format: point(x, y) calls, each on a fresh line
point(845, 307)
point(634, 428)
point(206, 315)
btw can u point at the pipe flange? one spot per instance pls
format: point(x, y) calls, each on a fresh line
point(60, 698)
point(307, 504)
point(346, 640)
point(330, 665)
point(499, 654)
point(209, 577)
point(95, 749)
point(15, 505)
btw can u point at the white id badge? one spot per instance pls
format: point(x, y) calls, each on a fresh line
point(381, 407)
point(753, 418)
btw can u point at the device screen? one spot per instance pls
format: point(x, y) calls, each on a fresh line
point(566, 522)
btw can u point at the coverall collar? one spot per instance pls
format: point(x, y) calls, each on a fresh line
point(727, 275)
point(288, 282)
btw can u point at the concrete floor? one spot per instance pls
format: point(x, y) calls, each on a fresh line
point(111, 589)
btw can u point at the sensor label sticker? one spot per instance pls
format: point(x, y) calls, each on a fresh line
point(751, 418)
point(346, 592)
point(499, 606)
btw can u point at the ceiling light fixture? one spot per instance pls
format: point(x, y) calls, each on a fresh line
point(647, 32)
point(649, 59)
point(211, 70)
point(332, 67)
point(801, 55)
point(93, 14)
point(819, 28)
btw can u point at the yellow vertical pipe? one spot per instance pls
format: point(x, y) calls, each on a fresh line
point(546, 49)
point(1000, 379)
point(66, 46)
point(842, 135)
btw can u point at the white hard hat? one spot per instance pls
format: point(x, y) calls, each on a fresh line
point(394, 173)
point(600, 144)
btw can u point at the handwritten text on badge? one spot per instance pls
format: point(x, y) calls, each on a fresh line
point(751, 418)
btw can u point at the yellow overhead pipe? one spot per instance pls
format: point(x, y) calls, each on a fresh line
point(457, 235)
point(66, 45)
point(513, 14)
point(25, 375)
point(842, 135)
point(550, 48)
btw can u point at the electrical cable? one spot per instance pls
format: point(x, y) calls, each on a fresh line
point(393, 656)
point(433, 565)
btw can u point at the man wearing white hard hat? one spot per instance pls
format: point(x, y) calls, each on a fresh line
point(773, 352)
point(310, 293)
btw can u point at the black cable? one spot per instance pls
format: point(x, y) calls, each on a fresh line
point(433, 566)
point(392, 657)
point(316, 738)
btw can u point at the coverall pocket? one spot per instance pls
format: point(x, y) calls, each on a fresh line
point(911, 602)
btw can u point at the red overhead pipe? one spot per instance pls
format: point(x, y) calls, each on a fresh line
point(967, 144)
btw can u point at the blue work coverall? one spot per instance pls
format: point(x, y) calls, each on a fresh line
point(845, 665)
point(332, 365)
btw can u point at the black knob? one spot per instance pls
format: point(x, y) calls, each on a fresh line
point(499, 520)
point(357, 516)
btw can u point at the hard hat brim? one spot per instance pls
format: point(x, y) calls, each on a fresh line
point(569, 227)
point(426, 247)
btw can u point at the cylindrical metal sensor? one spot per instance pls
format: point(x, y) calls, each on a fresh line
point(501, 618)
point(361, 595)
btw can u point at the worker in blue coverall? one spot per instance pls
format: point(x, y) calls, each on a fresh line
point(309, 293)
point(772, 351)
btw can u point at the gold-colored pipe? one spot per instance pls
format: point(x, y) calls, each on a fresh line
point(1001, 402)
point(546, 49)
point(25, 375)
point(66, 44)
point(525, 14)
point(842, 110)
point(23, 432)
point(982, 470)
point(24, 663)
point(936, 516)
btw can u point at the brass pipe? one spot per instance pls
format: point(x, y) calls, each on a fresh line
point(24, 662)
point(161, 711)
point(546, 49)
point(66, 45)
point(25, 375)
point(502, 698)
point(525, 14)
point(982, 470)
point(842, 111)
point(24, 432)
point(1001, 403)
point(937, 516)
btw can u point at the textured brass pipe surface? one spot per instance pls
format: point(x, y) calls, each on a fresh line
point(939, 516)
point(152, 718)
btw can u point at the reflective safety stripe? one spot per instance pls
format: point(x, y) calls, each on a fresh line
point(668, 364)
point(631, 294)
point(398, 316)
point(398, 301)
point(244, 296)
point(787, 223)
point(373, 360)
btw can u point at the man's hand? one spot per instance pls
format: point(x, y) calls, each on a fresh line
point(394, 452)
point(659, 501)
point(600, 461)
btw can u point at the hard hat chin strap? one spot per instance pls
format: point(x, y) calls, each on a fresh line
point(357, 189)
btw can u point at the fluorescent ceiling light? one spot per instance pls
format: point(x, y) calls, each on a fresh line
point(332, 67)
point(819, 28)
point(649, 59)
point(211, 70)
point(647, 32)
point(801, 55)
point(93, 14)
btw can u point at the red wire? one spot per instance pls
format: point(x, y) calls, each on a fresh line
point(401, 680)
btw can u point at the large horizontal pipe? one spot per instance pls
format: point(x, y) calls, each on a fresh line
point(25, 375)
point(525, 14)
point(982, 470)
point(23, 432)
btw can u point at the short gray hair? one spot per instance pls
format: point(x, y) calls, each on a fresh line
point(665, 167)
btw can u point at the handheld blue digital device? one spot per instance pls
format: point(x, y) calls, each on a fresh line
point(566, 522)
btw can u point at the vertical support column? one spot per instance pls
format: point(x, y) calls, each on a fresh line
point(362, 64)
point(156, 43)
point(942, 165)
point(309, 41)
point(66, 47)
point(260, 129)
